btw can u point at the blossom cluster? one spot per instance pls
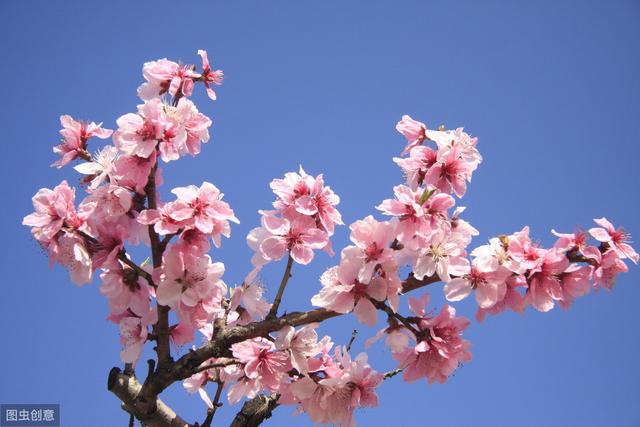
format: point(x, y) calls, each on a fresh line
point(304, 219)
point(327, 385)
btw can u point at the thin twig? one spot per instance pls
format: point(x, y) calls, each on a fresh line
point(283, 283)
point(384, 307)
point(353, 338)
point(392, 374)
point(216, 404)
point(217, 365)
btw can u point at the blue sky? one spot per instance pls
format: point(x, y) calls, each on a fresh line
point(551, 88)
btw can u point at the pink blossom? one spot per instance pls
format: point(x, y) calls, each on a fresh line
point(203, 209)
point(300, 344)
point(512, 299)
point(439, 352)
point(208, 75)
point(262, 361)
point(342, 291)
point(608, 266)
point(140, 134)
point(189, 279)
point(449, 173)
point(133, 172)
point(298, 235)
point(523, 251)
point(569, 241)
point(196, 126)
point(99, 169)
point(575, 281)
point(308, 196)
point(443, 255)
point(489, 284)
point(373, 239)
point(125, 289)
point(415, 167)
point(250, 297)
point(616, 238)
point(74, 139)
point(164, 76)
point(134, 333)
point(70, 251)
point(412, 130)
point(53, 210)
point(544, 281)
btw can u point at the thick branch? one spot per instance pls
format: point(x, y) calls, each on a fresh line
point(255, 411)
point(188, 364)
point(127, 388)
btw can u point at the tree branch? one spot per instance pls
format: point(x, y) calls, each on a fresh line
point(283, 283)
point(255, 411)
point(127, 389)
point(161, 329)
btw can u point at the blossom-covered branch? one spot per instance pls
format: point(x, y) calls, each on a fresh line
point(246, 349)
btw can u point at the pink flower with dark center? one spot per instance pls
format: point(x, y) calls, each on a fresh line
point(342, 291)
point(416, 166)
point(440, 348)
point(617, 239)
point(298, 235)
point(140, 134)
point(208, 75)
point(53, 210)
point(74, 139)
point(262, 360)
point(449, 173)
point(544, 281)
point(308, 196)
point(373, 239)
point(203, 209)
point(489, 285)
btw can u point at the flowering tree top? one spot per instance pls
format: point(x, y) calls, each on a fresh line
point(243, 349)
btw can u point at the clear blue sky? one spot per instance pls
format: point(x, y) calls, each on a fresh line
point(551, 88)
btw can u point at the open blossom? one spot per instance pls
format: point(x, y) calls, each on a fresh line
point(75, 135)
point(133, 172)
point(347, 385)
point(607, 268)
point(443, 255)
point(544, 282)
point(164, 76)
point(209, 76)
point(202, 208)
point(300, 344)
point(250, 297)
point(262, 360)
point(99, 169)
point(450, 173)
point(373, 242)
point(616, 238)
point(440, 350)
point(418, 212)
point(308, 196)
point(412, 130)
point(528, 255)
point(343, 292)
point(140, 134)
point(196, 126)
point(125, 289)
point(188, 279)
point(487, 281)
point(298, 235)
point(134, 333)
point(53, 209)
point(415, 167)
